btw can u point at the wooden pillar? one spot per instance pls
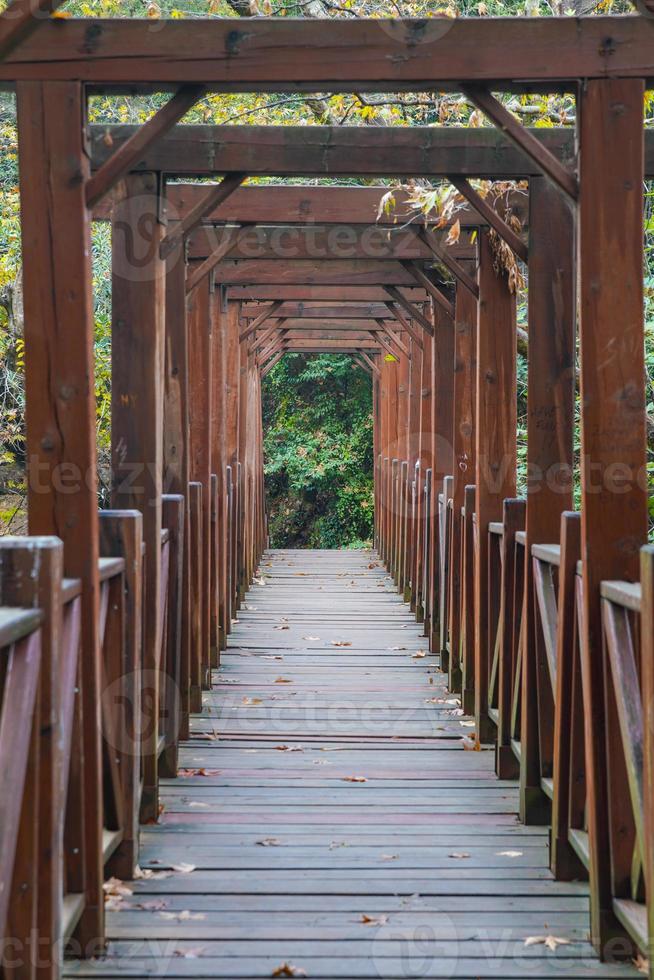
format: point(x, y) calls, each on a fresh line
point(495, 448)
point(218, 461)
point(425, 459)
point(463, 469)
point(613, 437)
point(176, 445)
point(137, 361)
point(60, 396)
point(550, 423)
point(442, 460)
point(232, 375)
point(199, 305)
point(415, 405)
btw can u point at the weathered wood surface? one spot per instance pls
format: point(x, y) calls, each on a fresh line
point(376, 55)
point(429, 846)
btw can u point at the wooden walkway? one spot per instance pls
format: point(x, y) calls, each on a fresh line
point(329, 818)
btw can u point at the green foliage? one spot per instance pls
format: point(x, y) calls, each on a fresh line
point(317, 412)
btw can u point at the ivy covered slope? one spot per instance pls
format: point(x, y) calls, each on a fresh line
point(317, 415)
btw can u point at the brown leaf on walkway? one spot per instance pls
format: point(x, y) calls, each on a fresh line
point(310, 637)
point(283, 680)
point(341, 643)
point(183, 868)
point(373, 920)
point(398, 648)
point(269, 656)
point(288, 970)
point(551, 942)
point(509, 854)
point(269, 842)
point(418, 654)
point(459, 854)
point(185, 916)
point(289, 748)
point(187, 773)
point(284, 626)
point(642, 965)
point(189, 954)
point(471, 743)
point(354, 779)
point(248, 701)
point(389, 857)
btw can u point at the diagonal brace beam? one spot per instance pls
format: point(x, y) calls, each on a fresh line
point(535, 150)
point(261, 319)
point(20, 19)
point(423, 279)
point(133, 149)
point(212, 260)
point(396, 340)
point(498, 224)
point(214, 197)
point(442, 254)
point(406, 305)
point(402, 320)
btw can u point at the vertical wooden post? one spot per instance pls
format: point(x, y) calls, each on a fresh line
point(218, 457)
point(425, 457)
point(60, 396)
point(463, 433)
point(443, 415)
point(199, 331)
point(647, 687)
point(122, 536)
point(176, 444)
point(495, 448)
point(232, 377)
point(550, 421)
point(613, 438)
point(137, 359)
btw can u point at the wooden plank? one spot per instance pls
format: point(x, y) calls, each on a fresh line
point(137, 400)
point(59, 332)
point(20, 19)
point(495, 454)
point(327, 294)
point(379, 56)
point(614, 507)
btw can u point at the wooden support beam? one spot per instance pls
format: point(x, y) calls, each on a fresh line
point(121, 162)
point(322, 293)
point(495, 454)
point(613, 437)
point(212, 199)
point(383, 325)
point(423, 280)
point(317, 311)
point(442, 253)
point(550, 424)
point(203, 269)
point(313, 272)
point(260, 342)
point(369, 361)
point(362, 364)
point(260, 319)
point(378, 335)
point(271, 363)
point(20, 19)
point(414, 313)
point(396, 313)
point(564, 178)
point(137, 405)
point(61, 419)
point(504, 230)
point(334, 55)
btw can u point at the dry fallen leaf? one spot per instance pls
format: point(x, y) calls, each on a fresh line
point(183, 868)
point(187, 773)
point(642, 965)
point(398, 648)
point(284, 626)
point(310, 637)
point(354, 779)
point(334, 844)
point(467, 724)
point(269, 842)
point(373, 920)
point(471, 743)
point(389, 857)
point(459, 854)
point(550, 941)
point(249, 701)
point(289, 748)
point(189, 954)
point(185, 916)
point(288, 970)
point(283, 680)
point(509, 854)
point(418, 654)
point(196, 803)
point(341, 643)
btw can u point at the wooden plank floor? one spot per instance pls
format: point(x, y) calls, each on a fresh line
point(333, 819)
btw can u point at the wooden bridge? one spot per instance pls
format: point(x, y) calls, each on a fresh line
point(450, 770)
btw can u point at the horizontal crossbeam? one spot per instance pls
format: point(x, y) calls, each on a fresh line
point(268, 54)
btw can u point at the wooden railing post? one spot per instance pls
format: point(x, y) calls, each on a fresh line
point(173, 521)
point(613, 437)
point(61, 417)
point(647, 687)
point(121, 536)
point(550, 420)
point(495, 447)
point(31, 571)
point(442, 456)
point(195, 664)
